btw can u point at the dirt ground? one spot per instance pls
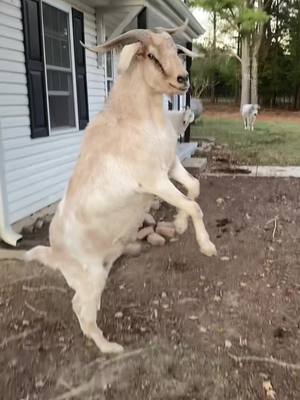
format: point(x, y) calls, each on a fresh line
point(180, 315)
point(265, 114)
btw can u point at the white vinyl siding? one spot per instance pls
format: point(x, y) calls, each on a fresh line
point(37, 170)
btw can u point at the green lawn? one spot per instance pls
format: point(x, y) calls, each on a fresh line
point(271, 143)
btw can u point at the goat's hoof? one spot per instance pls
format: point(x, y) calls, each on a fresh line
point(181, 225)
point(208, 249)
point(111, 347)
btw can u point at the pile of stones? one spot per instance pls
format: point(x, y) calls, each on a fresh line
point(156, 233)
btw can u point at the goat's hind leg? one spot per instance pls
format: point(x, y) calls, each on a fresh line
point(86, 302)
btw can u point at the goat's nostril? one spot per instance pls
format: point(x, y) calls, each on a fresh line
point(182, 79)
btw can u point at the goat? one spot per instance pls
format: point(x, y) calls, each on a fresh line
point(249, 113)
point(180, 120)
point(127, 157)
point(196, 107)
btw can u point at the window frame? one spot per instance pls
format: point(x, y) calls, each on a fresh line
point(67, 8)
point(109, 78)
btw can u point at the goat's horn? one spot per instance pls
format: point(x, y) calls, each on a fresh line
point(187, 52)
point(172, 31)
point(133, 36)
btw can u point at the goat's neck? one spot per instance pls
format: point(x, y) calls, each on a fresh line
point(133, 98)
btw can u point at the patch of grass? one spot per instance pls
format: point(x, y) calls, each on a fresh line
point(271, 143)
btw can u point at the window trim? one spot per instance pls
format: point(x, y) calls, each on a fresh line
point(67, 8)
point(109, 78)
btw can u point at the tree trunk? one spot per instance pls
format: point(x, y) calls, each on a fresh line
point(245, 71)
point(297, 98)
point(254, 76)
point(213, 79)
point(256, 42)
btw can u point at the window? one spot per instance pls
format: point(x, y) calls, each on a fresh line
point(55, 67)
point(174, 103)
point(109, 71)
point(58, 63)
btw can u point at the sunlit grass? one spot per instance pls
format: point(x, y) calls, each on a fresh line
point(271, 143)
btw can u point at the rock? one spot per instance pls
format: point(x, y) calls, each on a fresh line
point(133, 249)
point(196, 163)
point(220, 201)
point(165, 223)
point(149, 220)
point(155, 205)
point(224, 258)
point(39, 223)
point(156, 240)
point(144, 232)
point(166, 230)
point(217, 299)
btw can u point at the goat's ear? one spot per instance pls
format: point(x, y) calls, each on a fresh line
point(127, 54)
point(191, 117)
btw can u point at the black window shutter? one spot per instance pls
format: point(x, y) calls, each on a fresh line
point(35, 67)
point(80, 67)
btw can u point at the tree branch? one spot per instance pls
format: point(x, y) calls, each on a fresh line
point(266, 360)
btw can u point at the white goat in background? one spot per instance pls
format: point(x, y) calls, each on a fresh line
point(180, 120)
point(127, 157)
point(249, 113)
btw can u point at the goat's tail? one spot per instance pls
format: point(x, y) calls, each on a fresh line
point(42, 254)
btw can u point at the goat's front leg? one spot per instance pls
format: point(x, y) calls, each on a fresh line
point(180, 174)
point(164, 189)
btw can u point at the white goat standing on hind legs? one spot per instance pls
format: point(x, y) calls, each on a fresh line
point(249, 113)
point(127, 157)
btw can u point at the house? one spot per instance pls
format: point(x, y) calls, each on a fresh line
point(50, 88)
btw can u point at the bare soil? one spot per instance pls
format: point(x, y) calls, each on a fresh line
point(179, 314)
point(268, 115)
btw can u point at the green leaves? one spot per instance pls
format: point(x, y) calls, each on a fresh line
point(240, 14)
point(248, 19)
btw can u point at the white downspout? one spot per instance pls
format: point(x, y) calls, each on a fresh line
point(6, 232)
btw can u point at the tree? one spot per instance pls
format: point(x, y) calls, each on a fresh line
point(246, 17)
point(280, 54)
point(213, 7)
point(294, 50)
point(225, 71)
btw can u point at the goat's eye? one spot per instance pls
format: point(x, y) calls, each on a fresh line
point(156, 62)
